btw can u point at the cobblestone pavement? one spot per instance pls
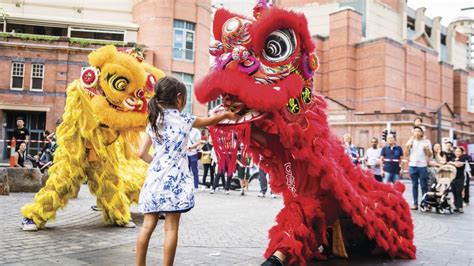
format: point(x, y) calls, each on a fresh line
point(221, 230)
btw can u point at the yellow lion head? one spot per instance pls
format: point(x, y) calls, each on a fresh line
point(119, 85)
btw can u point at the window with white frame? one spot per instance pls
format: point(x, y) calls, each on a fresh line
point(183, 40)
point(37, 77)
point(17, 75)
point(187, 79)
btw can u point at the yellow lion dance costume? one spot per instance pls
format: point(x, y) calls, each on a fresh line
point(106, 109)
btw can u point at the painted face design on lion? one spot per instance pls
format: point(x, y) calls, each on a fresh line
point(263, 70)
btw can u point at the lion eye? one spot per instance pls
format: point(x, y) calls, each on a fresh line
point(118, 83)
point(279, 45)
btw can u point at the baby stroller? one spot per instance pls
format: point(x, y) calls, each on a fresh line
point(437, 196)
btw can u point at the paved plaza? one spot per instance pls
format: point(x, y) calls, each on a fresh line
point(221, 230)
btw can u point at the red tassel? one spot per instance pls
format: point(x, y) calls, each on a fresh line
point(227, 139)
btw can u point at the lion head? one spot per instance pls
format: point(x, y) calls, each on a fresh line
point(119, 86)
point(263, 66)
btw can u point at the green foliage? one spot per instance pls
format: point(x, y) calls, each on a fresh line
point(87, 42)
point(31, 37)
point(80, 41)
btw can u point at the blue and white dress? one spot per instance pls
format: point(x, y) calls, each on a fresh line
point(169, 186)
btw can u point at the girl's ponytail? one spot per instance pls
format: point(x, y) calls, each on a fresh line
point(167, 92)
point(155, 116)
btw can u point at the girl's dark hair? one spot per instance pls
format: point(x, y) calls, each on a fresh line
point(166, 96)
point(441, 152)
point(459, 147)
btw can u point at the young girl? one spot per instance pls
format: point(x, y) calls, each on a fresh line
point(169, 187)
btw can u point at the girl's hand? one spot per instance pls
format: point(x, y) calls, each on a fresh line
point(230, 115)
point(212, 120)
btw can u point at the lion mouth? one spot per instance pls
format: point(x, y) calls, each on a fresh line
point(233, 104)
point(127, 105)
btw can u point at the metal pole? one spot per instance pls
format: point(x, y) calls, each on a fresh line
point(439, 126)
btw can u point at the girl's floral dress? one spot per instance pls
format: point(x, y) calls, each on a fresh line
point(169, 186)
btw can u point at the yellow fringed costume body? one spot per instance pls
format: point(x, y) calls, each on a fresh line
point(104, 114)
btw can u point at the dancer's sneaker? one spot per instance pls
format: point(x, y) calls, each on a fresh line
point(261, 195)
point(130, 224)
point(274, 196)
point(227, 192)
point(273, 261)
point(96, 208)
point(28, 225)
point(212, 191)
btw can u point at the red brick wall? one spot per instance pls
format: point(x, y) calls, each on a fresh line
point(460, 92)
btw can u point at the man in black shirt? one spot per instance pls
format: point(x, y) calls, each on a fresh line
point(21, 133)
point(449, 151)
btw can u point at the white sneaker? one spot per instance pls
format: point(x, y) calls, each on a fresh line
point(261, 195)
point(212, 191)
point(28, 225)
point(227, 192)
point(130, 225)
point(274, 196)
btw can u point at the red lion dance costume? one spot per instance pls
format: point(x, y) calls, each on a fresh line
point(263, 70)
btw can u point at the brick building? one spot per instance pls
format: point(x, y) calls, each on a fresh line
point(44, 46)
point(382, 61)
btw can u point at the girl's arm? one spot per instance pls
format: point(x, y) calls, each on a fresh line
point(212, 120)
point(457, 163)
point(143, 151)
point(50, 137)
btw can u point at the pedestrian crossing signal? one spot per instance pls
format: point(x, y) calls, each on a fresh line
point(385, 134)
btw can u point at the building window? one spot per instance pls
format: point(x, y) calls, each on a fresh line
point(36, 29)
point(183, 40)
point(470, 50)
point(187, 79)
point(37, 76)
point(108, 35)
point(410, 27)
point(17, 75)
point(214, 103)
point(428, 30)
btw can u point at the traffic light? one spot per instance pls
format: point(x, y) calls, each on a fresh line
point(384, 135)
